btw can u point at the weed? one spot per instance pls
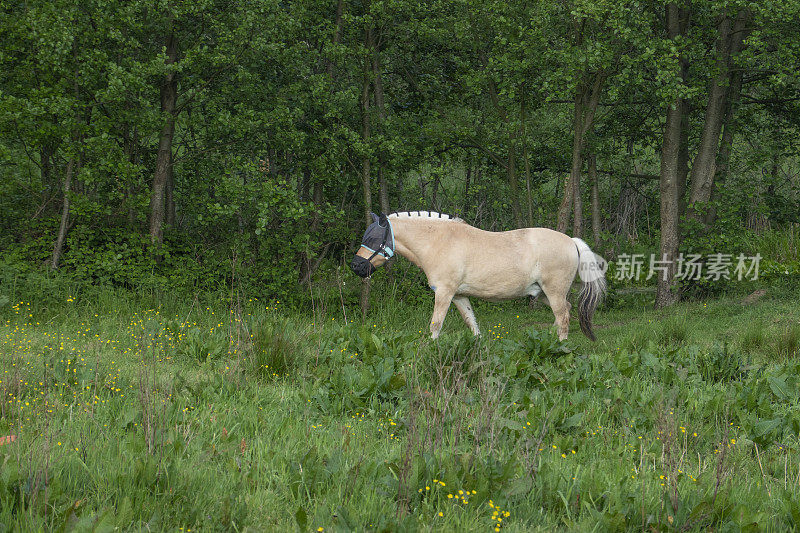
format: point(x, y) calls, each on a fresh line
point(452, 361)
point(720, 363)
point(636, 340)
point(674, 332)
point(276, 350)
point(787, 344)
point(753, 337)
point(201, 345)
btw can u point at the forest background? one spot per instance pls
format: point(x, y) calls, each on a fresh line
point(183, 146)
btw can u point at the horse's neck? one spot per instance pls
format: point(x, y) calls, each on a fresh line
point(413, 239)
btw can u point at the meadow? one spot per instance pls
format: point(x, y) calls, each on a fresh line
point(154, 413)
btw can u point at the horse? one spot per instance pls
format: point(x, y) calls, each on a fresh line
point(462, 261)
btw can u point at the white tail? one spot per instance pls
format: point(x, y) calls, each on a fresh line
point(592, 271)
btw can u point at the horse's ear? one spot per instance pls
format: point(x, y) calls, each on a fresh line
point(382, 220)
point(374, 217)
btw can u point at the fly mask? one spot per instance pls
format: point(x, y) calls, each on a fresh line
point(378, 239)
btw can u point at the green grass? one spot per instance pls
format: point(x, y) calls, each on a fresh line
point(788, 341)
point(144, 413)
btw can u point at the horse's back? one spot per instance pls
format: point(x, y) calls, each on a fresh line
point(538, 243)
point(511, 264)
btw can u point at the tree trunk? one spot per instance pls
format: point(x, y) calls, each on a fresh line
point(564, 211)
point(511, 167)
point(676, 21)
point(305, 256)
point(64, 226)
point(577, 200)
point(595, 195)
point(383, 187)
point(567, 202)
point(169, 95)
point(377, 84)
point(306, 267)
point(337, 36)
point(303, 183)
point(729, 44)
point(467, 179)
point(586, 99)
point(683, 154)
point(365, 164)
point(436, 179)
point(127, 150)
point(365, 136)
point(724, 156)
point(527, 163)
point(513, 184)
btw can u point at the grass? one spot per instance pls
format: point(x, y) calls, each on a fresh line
point(672, 332)
point(143, 413)
point(753, 337)
point(788, 341)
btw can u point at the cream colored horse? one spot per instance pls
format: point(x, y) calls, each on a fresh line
point(462, 261)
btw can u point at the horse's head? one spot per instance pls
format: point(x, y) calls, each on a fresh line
point(377, 246)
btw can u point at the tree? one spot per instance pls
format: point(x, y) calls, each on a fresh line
point(163, 175)
point(672, 169)
point(732, 33)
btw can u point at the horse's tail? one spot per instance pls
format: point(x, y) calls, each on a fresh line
point(592, 271)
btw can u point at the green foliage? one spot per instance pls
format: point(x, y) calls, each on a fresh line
point(721, 364)
point(636, 340)
point(470, 112)
point(453, 361)
point(360, 370)
point(201, 345)
point(521, 360)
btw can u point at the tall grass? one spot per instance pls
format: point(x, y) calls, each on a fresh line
point(128, 420)
point(787, 343)
point(780, 245)
point(674, 331)
point(753, 337)
point(276, 349)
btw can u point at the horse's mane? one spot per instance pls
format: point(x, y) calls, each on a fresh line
point(433, 215)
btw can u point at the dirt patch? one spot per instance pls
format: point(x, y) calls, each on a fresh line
point(754, 297)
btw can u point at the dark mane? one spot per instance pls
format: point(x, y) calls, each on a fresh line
point(433, 215)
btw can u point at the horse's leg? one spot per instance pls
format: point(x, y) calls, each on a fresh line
point(463, 306)
point(560, 306)
point(440, 306)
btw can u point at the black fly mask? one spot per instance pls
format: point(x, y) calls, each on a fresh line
point(378, 239)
